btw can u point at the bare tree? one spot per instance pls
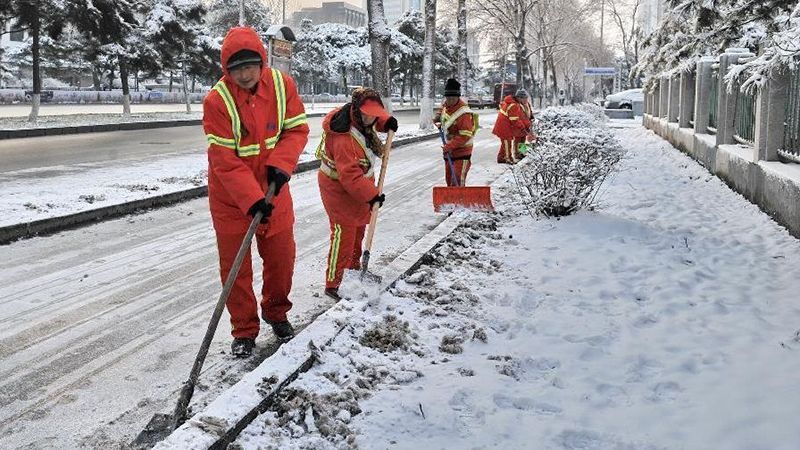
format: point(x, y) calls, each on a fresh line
point(510, 17)
point(623, 13)
point(462, 45)
point(379, 37)
point(426, 105)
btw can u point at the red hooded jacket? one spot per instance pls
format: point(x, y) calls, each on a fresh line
point(513, 120)
point(346, 195)
point(237, 174)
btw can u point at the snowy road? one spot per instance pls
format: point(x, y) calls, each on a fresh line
point(100, 325)
point(51, 151)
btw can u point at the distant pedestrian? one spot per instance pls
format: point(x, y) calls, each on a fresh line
point(348, 152)
point(255, 124)
point(513, 126)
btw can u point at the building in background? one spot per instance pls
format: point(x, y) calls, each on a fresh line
point(393, 9)
point(11, 39)
point(331, 12)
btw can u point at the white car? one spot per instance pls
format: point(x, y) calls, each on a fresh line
point(624, 99)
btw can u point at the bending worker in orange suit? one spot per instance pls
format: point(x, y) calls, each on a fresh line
point(459, 124)
point(347, 153)
point(512, 126)
point(256, 128)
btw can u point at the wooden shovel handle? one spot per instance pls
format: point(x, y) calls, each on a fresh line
point(373, 220)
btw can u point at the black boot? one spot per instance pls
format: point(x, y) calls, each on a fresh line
point(242, 347)
point(333, 293)
point(283, 330)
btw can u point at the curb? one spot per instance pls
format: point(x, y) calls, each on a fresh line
point(11, 233)
point(225, 417)
point(124, 126)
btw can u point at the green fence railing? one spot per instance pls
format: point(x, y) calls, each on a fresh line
point(745, 118)
point(791, 128)
point(712, 101)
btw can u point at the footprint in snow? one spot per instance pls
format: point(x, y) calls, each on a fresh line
point(666, 391)
point(525, 404)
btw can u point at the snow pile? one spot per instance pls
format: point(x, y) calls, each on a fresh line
point(575, 155)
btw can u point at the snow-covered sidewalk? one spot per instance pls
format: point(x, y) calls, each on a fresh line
point(666, 318)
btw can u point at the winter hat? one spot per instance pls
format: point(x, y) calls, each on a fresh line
point(452, 88)
point(243, 57)
point(521, 93)
point(368, 101)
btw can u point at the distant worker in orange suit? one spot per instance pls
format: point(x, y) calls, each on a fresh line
point(513, 126)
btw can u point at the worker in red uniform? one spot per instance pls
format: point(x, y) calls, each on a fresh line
point(255, 124)
point(513, 126)
point(348, 152)
point(459, 124)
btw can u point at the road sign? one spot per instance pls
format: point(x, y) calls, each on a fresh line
point(599, 71)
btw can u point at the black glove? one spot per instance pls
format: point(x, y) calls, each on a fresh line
point(391, 124)
point(380, 198)
point(277, 176)
point(263, 207)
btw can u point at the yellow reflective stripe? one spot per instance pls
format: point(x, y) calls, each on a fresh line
point(227, 143)
point(295, 121)
point(230, 105)
point(513, 118)
point(271, 142)
point(328, 170)
point(451, 118)
point(465, 133)
point(333, 253)
point(250, 150)
point(362, 141)
point(280, 94)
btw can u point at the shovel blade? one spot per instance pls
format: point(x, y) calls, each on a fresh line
point(475, 198)
point(159, 427)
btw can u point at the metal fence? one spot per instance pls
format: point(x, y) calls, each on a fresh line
point(791, 128)
point(692, 79)
point(745, 118)
point(712, 100)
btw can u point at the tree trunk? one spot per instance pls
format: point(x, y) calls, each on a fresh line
point(521, 48)
point(170, 80)
point(426, 106)
point(36, 98)
point(463, 60)
point(126, 92)
point(96, 79)
point(379, 36)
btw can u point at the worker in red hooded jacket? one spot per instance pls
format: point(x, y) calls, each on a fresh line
point(348, 153)
point(512, 126)
point(255, 124)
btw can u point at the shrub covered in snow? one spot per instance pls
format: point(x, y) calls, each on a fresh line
point(563, 117)
point(576, 153)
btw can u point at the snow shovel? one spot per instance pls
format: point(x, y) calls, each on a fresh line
point(475, 198)
point(373, 220)
point(161, 425)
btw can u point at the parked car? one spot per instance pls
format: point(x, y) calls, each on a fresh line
point(624, 99)
point(480, 101)
point(45, 96)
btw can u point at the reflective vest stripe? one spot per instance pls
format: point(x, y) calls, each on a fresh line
point(328, 165)
point(448, 119)
point(295, 121)
point(280, 94)
point(230, 105)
